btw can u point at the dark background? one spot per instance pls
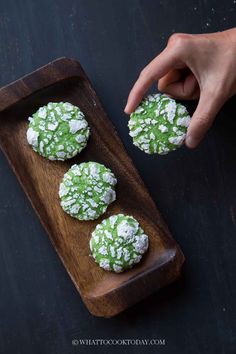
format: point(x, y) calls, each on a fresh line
point(40, 310)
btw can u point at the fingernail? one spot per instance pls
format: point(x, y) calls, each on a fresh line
point(191, 142)
point(125, 108)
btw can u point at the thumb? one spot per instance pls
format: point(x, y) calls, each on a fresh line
point(208, 106)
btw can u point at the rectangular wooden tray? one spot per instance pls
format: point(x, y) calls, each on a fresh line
point(104, 293)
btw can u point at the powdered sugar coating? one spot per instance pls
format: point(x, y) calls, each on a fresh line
point(84, 192)
point(159, 124)
point(58, 131)
point(118, 243)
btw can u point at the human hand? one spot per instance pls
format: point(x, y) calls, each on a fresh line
point(201, 66)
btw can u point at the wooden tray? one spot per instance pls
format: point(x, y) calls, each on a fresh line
point(104, 293)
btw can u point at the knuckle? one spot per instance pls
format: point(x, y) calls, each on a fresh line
point(146, 74)
point(178, 38)
point(143, 73)
point(174, 37)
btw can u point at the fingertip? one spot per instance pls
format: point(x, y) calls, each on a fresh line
point(191, 142)
point(127, 109)
point(132, 104)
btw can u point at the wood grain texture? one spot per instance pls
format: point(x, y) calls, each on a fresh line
point(104, 293)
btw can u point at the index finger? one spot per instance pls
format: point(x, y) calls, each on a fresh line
point(157, 68)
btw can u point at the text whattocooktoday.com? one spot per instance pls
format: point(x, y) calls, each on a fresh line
point(118, 341)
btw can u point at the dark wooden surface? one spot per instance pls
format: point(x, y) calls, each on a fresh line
point(105, 294)
point(40, 310)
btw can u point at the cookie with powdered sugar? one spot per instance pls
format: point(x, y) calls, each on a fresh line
point(86, 190)
point(159, 124)
point(118, 243)
point(58, 131)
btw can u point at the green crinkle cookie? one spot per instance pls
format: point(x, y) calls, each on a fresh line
point(58, 131)
point(118, 243)
point(159, 124)
point(86, 190)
